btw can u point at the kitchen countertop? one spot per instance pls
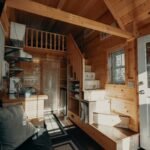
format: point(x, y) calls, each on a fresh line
point(12, 98)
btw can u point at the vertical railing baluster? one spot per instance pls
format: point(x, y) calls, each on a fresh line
point(59, 42)
point(26, 44)
point(37, 38)
point(41, 39)
point(55, 41)
point(63, 41)
point(46, 40)
point(32, 37)
point(50, 40)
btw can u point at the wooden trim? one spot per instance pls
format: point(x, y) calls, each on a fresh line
point(111, 50)
point(49, 12)
point(43, 51)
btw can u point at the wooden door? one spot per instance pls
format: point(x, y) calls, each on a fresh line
point(50, 84)
point(144, 90)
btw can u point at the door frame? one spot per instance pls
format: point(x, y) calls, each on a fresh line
point(144, 103)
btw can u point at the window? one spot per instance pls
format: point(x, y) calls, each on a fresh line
point(118, 67)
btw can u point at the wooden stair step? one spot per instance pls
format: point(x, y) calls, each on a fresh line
point(91, 84)
point(89, 75)
point(94, 95)
point(88, 68)
point(103, 106)
point(111, 119)
point(110, 138)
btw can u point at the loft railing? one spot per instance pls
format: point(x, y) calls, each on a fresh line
point(44, 40)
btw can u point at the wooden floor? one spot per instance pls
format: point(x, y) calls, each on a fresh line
point(114, 133)
point(111, 138)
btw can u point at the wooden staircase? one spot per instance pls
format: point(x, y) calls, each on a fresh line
point(94, 115)
point(99, 108)
point(95, 108)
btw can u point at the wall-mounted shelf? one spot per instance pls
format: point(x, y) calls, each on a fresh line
point(14, 55)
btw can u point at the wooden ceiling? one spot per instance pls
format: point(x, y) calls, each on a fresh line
point(133, 14)
point(92, 9)
point(130, 15)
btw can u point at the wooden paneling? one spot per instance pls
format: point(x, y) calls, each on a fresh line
point(125, 95)
point(114, 13)
point(139, 13)
point(144, 30)
point(120, 92)
point(130, 12)
point(31, 75)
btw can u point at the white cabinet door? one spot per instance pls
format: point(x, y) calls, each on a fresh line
point(144, 90)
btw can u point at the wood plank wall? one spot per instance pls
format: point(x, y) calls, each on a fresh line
point(124, 98)
point(32, 74)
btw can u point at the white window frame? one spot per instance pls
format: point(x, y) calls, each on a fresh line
point(113, 66)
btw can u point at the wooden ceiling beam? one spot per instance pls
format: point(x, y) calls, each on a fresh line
point(114, 13)
point(49, 12)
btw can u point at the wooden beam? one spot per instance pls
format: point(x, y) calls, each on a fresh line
point(49, 12)
point(115, 14)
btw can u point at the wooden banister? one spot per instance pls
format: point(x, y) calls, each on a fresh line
point(76, 59)
point(44, 40)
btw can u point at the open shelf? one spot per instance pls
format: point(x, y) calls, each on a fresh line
point(74, 92)
point(74, 106)
point(14, 55)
